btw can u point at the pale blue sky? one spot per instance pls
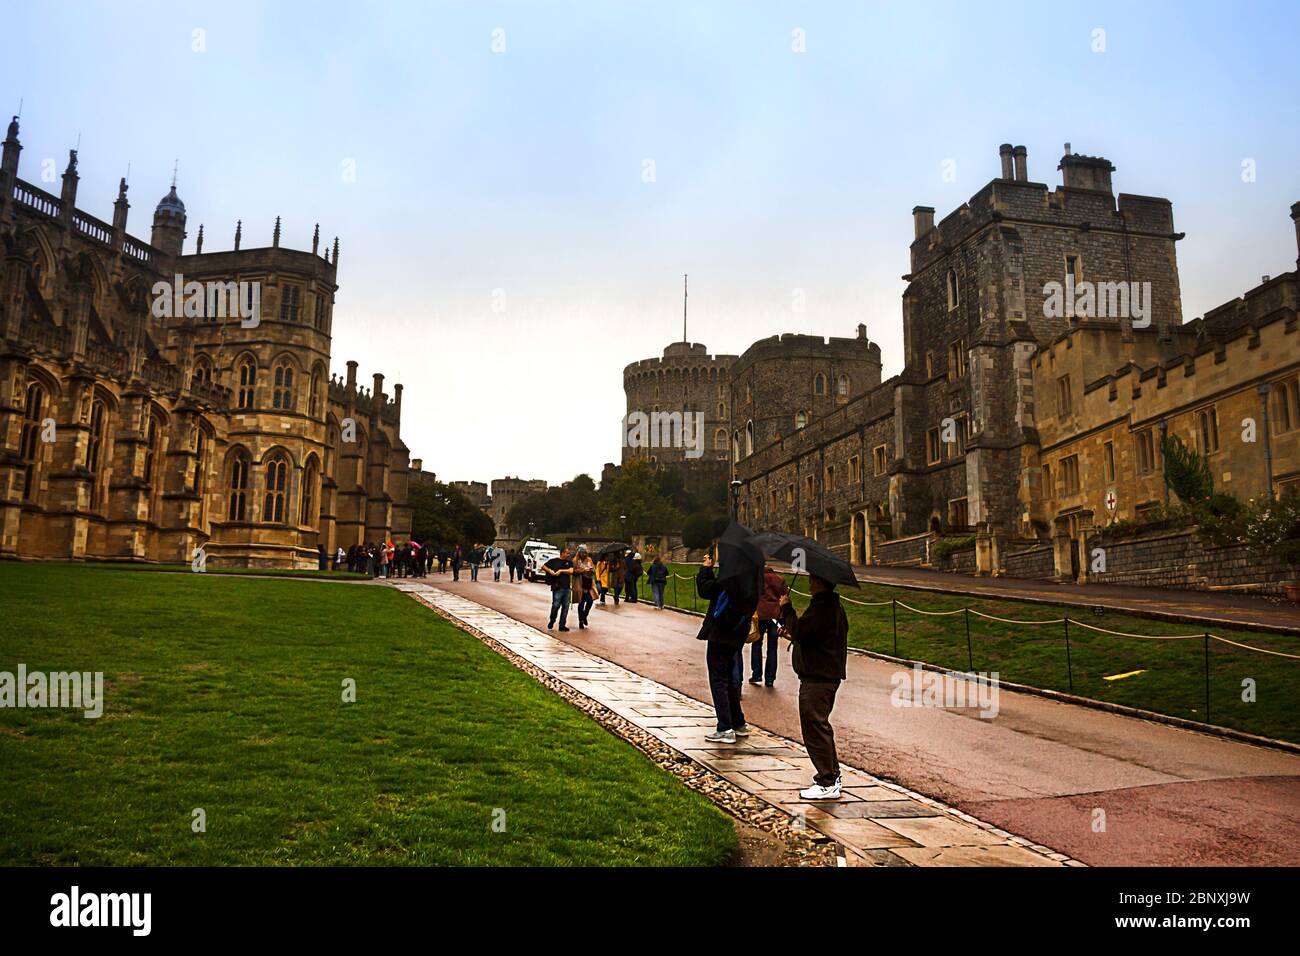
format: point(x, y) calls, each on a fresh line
point(522, 171)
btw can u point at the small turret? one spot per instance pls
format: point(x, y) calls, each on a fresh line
point(168, 234)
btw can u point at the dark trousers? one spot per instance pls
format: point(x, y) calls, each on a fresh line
point(455, 572)
point(473, 571)
point(629, 590)
point(756, 669)
point(559, 605)
point(658, 591)
point(584, 606)
point(816, 698)
point(724, 682)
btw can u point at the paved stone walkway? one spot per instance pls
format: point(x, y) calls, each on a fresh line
point(878, 823)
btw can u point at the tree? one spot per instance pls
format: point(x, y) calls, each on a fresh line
point(636, 493)
point(442, 517)
point(573, 506)
point(1187, 472)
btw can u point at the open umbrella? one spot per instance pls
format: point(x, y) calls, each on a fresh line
point(806, 556)
point(740, 562)
point(616, 547)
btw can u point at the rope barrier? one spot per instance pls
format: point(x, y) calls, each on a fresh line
point(1058, 620)
point(848, 600)
point(1007, 620)
point(1145, 637)
point(931, 613)
point(1261, 650)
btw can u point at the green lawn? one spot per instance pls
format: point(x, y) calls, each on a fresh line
point(1173, 681)
point(225, 694)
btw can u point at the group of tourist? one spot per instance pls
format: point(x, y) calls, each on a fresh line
point(579, 580)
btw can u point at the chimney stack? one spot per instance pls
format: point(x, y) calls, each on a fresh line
point(1004, 152)
point(923, 219)
point(352, 375)
point(1021, 156)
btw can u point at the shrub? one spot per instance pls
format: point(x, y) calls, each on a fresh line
point(945, 548)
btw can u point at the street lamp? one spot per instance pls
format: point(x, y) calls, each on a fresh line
point(623, 522)
point(735, 499)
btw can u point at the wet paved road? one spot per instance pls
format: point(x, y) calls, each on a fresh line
point(1040, 768)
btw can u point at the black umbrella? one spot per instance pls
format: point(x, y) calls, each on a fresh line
point(740, 562)
point(806, 555)
point(618, 547)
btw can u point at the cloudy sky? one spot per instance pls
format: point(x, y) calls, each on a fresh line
point(532, 180)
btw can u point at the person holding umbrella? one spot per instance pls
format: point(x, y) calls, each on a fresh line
point(733, 598)
point(821, 649)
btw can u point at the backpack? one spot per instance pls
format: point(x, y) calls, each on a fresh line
point(728, 622)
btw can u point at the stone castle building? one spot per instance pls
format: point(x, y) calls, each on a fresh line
point(506, 493)
point(689, 390)
point(133, 431)
point(1011, 418)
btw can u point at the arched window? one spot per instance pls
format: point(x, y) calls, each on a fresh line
point(800, 419)
point(282, 390)
point(95, 451)
point(29, 448)
point(331, 450)
point(954, 290)
point(277, 479)
point(308, 516)
point(290, 303)
point(722, 410)
point(361, 462)
point(842, 387)
point(239, 468)
point(819, 384)
point(720, 440)
point(202, 372)
point(319, 321)
point(749, 437)
point(200, 461)
point(247, 383)
point(735, 446)
point(152, 441)
point(313, 394)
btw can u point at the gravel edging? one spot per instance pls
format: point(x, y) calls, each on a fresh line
point(802, 847)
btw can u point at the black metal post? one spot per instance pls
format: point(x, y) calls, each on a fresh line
point(970, 654)
point(1207, 677)
point(893, 608)
point(1069, 667)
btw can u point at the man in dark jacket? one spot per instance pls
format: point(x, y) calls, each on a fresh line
point(657, 576)
point(726, 625)
point(821, 650)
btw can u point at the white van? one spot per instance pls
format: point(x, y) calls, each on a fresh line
point(537, 553)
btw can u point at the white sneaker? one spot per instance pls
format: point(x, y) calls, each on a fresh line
point(742, 730)
point(818, 792)
point(721, 737)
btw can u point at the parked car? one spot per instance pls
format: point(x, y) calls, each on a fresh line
point(537, 553)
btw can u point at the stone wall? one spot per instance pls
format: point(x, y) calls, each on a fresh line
point(1031, 563)
point(903, 551)
point(1183, 559)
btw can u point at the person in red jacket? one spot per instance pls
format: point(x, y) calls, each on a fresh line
point(769, 615)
